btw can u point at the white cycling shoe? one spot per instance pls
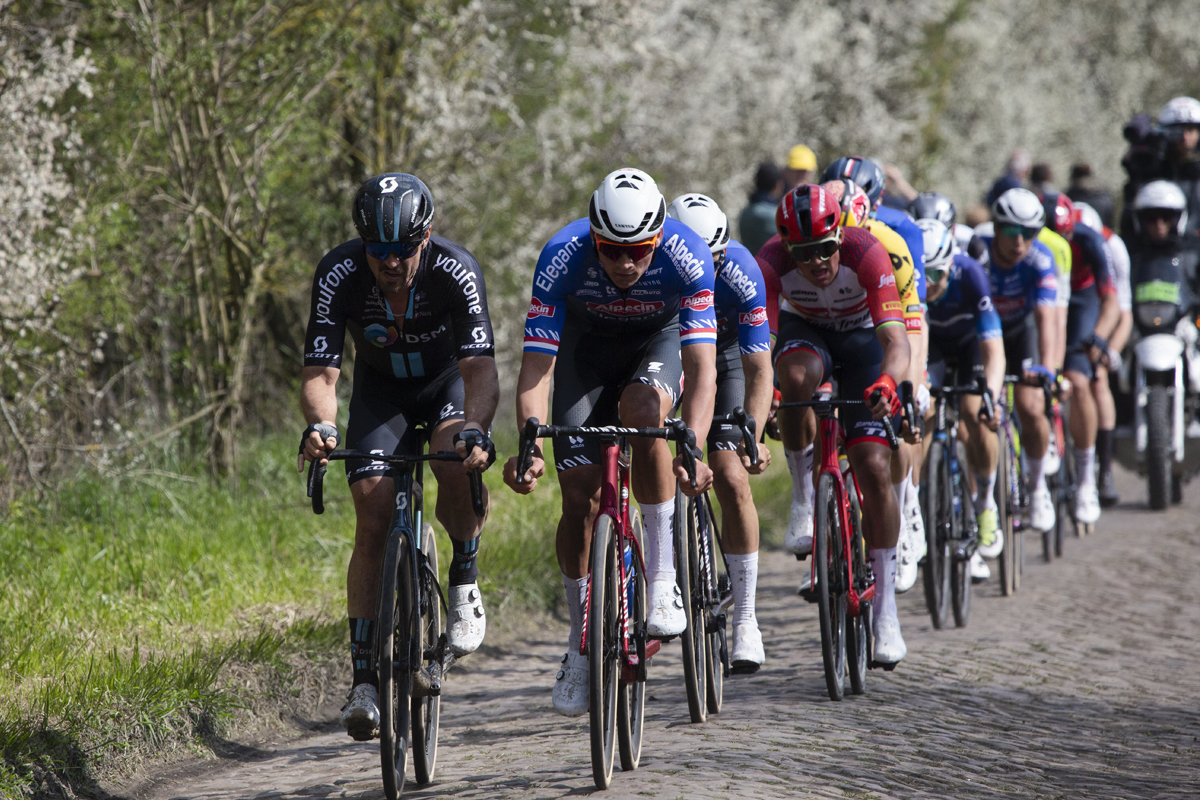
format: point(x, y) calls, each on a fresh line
point(571, 685)
point(747, 655)
point(665, 617)
point(911, 549)
point(1053, 461)
point(467, 621)
point(1041, 510)
point(980, 571)
point(890, 649)
point(1087, 504)
point(360, 715)
point(799, 536)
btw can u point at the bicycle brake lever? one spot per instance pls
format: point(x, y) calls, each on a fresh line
point(316, 483)
point(525, 457)
point(476, 480)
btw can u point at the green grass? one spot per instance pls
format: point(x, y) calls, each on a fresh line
point(125, 602)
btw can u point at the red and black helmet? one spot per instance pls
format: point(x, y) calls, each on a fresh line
point(808, 213)
point(1061, 215)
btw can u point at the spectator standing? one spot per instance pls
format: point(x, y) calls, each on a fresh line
point(1083, 189)
point(1016, 172)
point(1041, 180)
point(801, 167)
point(756, 223)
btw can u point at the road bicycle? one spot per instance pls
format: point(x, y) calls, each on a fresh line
point(841, 580)
point(705, 587)
point(614, 629)
point(1012, 495)
point(1062, 483)
point(951, 531)
point(411, 650)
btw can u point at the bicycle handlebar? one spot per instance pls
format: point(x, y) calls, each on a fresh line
point(316, 474)
point(746, 423)
point(678, 432)
point(825, 406)
point(979, 388)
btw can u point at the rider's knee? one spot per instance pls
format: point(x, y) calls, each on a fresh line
point(731, 482)
point(641, 406)
point(872, 467)
point(580, 499)
point(799, 373)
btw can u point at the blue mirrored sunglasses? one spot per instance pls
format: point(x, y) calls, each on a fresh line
point(384, 250)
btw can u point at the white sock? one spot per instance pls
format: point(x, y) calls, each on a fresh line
point(657, 519)
point(743, 570)
point(576, 591)
point(1085, 466)
point(883, 564)
point(1037, 472)
point(800, 465)
point(985, 492)
point(900, 490)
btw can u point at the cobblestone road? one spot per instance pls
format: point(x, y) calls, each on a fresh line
point(1084, 685)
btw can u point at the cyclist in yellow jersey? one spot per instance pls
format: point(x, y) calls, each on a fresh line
point(856, 208)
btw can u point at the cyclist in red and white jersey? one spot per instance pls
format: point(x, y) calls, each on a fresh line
point(831, 297)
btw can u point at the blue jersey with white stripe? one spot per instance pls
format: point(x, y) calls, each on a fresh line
point(1030, 284)
point(741, 303)
point(910, 231)
point(966, 306)
point(571, 287)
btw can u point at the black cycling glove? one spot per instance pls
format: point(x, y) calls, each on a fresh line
point(473, 438)
point(322, 430)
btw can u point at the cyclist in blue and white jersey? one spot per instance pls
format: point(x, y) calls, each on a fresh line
point(965, 337)
point(1024, 288)
point(744, 378)
point(622, 318)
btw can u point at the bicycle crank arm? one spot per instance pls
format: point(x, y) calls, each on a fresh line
point(425, 684)
point(856, 601)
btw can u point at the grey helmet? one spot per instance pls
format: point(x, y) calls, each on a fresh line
point(394, 207)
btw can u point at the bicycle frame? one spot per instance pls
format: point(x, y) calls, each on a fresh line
point(833, 438)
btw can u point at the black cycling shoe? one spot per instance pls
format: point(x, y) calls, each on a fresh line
point(1108, 490)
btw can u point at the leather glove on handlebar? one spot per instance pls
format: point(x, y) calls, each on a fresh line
point(322, 430)
point(886, 385)
point(474, 438)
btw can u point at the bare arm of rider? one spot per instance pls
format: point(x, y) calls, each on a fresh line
point(1044, 316)
point(992, 351)
point(759, 389)
point(481, 390)
point(533, 400)
point(699, 398)
point(318, 403)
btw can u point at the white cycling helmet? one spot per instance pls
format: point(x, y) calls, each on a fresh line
point(1160, 194)
point(939, 244)
point(702, 214)
point(627, 207)
point(1089, 216)
point(1019, 207)
point(1180, 111)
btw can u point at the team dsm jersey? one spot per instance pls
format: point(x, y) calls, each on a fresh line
point(741, 303)
point(446, 318)
point(862, 295)
point(570, 286)
point(965, 308)
point(1031, 283)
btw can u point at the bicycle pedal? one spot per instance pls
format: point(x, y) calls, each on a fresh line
point(886, 666)
point(801, 556)
point(425, 684)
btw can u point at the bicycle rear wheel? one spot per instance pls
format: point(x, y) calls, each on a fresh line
point(1006, 507)
point(960, 563)
point(830, 565)
point(687, 573)
point(426, 711)
point(603, 650)
point(395, 626)
point(714, 618)
point(939, 529)
point(631, 695)
point(1066, 509)
point(858, 629)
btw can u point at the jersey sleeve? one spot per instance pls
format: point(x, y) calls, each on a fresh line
point(552, 281)
point(1041, 264)
point(469, 317)
point(977, 295)
point(697, 307)
point(1120, 258)
point(326, 333)
point(742, 273)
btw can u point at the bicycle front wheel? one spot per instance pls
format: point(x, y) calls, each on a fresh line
point(687, 573)
point(603, 650)
point(966, 531)
point(830, 565)
point(631, 698)
point(714, 624)
point(939, 528)
point(426, 711)
point(1006, 506)
point(858, 629)
point(395, 629)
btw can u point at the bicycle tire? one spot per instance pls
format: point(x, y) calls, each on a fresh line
point(960, 567)
point(858, 629)
point(1066, 509)
point(393, 633)
point(1159, 448)
point(631, 695)
point(939, 529)
point(603, 651)
point(1005, 508)
point(686, 573)
point(426, 711)
point(714, 631)
point(831, 599)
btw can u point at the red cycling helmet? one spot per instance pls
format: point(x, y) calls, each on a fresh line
point(1061, 213)
point(808, 213)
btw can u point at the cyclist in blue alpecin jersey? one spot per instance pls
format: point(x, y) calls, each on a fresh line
point(965, 337)
point(622, 317)
point(744, 378)
point(1024, 287)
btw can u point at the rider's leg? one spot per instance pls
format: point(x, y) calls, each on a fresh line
point(374, 498)
point(739, 529)
point(580, 488)
point(799, 372)
point(454, 510)
point(1084, 421)
point(881, 530)
point(1106, 421)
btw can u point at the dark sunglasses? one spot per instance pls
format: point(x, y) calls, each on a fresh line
point(814, 251)
point(1168, 214)
point(1019, 230)
point(402, 250)
point(934, 274)
point(636, 251)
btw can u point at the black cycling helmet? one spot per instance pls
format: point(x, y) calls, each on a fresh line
point(864, 172)
point(395, 207)
point(934, 205)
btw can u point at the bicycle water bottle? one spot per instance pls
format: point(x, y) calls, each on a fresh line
point(631, 579)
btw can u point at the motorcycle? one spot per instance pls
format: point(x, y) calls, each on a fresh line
point(1165, 376)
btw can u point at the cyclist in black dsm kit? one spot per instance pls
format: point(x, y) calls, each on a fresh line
point(416, 307)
